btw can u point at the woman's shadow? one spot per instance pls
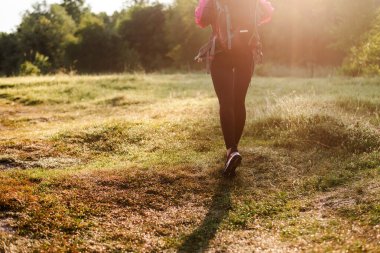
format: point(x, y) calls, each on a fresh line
point(199, 240)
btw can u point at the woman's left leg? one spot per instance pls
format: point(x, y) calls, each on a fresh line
point(242, 79)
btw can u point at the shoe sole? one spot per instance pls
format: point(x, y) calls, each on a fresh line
point(230, 170)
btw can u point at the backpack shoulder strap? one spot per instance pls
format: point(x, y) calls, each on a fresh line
point(228, 20)
point(223, 9)
point(255, 38)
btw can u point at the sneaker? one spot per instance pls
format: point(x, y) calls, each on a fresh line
point(232, 163)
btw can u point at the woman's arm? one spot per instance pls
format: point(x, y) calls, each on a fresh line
point(267, 9)
point(204, 13)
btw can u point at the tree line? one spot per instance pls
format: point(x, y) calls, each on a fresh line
point(150, 36)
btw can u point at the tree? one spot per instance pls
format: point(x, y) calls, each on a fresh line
point(351, 20)
point(151, 36)
point(316, 32)
point(74, 8)
point(99, 48)
point(364, 59)
point(130, 3)
point(144, 32)
point(48, 31)
point(10, 54)
point(183, 36)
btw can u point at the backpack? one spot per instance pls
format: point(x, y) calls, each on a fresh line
point(234, 24)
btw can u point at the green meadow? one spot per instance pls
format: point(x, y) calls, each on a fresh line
point(131, 163)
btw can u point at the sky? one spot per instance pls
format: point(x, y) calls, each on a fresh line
point(11, 10)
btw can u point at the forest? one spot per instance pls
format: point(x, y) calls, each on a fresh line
point(145, 36)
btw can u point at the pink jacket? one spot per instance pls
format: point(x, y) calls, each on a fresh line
point(199, 12)
point(265, 5)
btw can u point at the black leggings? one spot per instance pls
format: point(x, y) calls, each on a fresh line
point(231, 74)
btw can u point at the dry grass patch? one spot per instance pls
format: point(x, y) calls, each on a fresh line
point(131, 163)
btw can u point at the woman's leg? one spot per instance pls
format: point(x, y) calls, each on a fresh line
point(223, 77)
point(242, 79)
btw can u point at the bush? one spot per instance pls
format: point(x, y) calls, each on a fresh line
point(365, 59)
point(320, 131)
point(29, 69)
point(42, 62)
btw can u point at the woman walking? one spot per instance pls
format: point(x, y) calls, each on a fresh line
point(231, 54)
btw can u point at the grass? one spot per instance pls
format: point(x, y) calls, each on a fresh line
point(131, 163)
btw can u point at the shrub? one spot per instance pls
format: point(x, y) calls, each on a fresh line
point(320, 131)
point(42, 62)
point(365, 58)
point(29, 69)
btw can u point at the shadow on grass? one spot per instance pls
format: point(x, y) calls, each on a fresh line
point(199, 240)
